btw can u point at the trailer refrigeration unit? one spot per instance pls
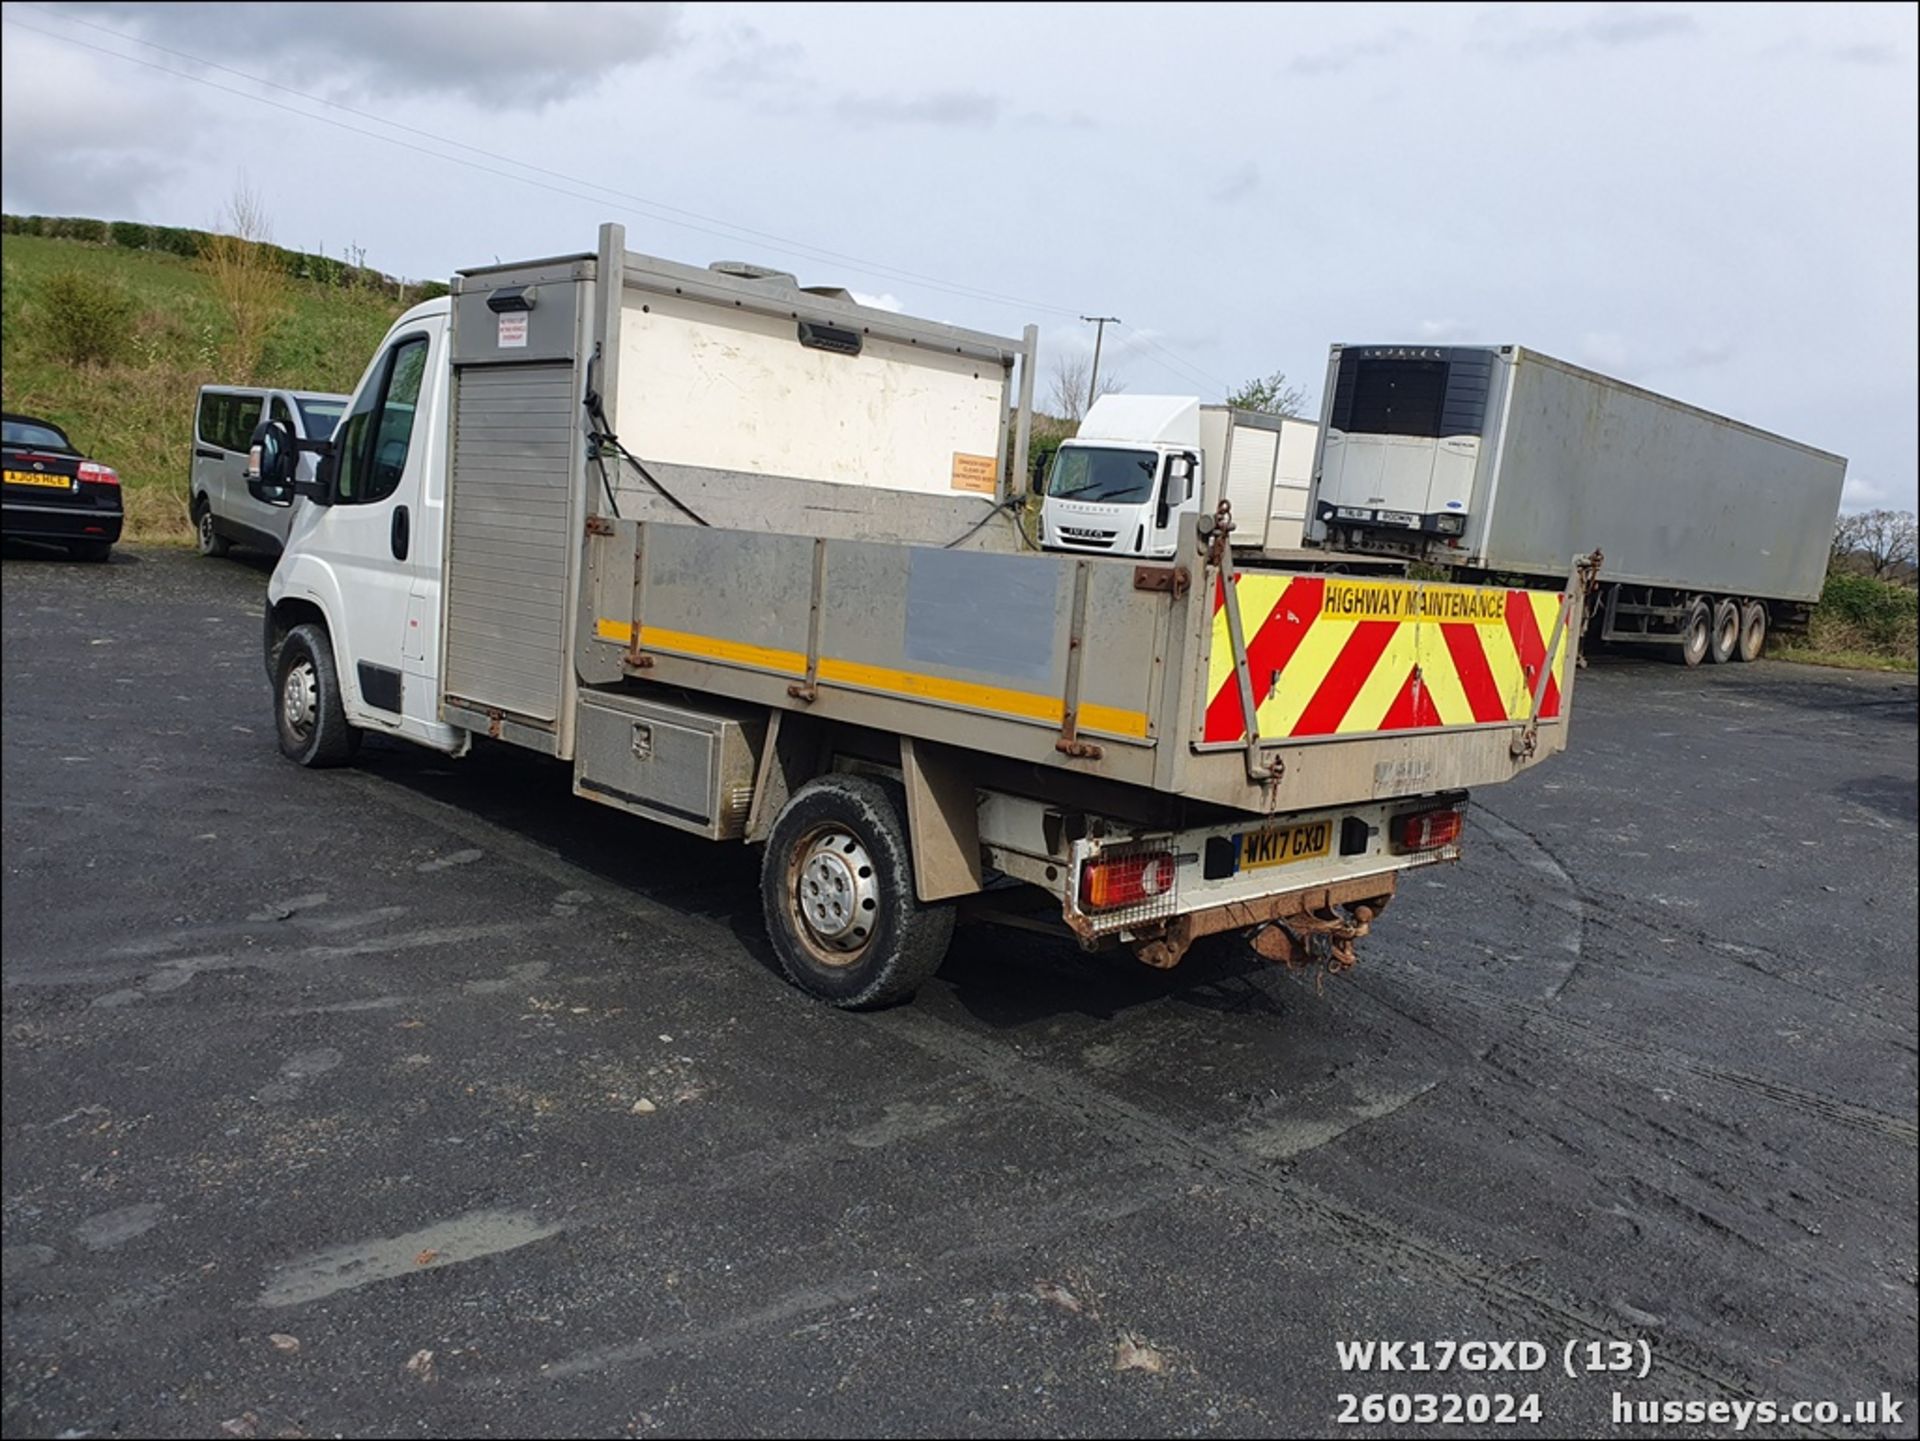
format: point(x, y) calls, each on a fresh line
point(1496, 460)
point(735, 550)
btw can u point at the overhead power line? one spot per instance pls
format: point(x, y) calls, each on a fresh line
point(570, 186)
point(646, 206)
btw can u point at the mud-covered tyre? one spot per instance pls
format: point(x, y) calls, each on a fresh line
point(206, 539)
point(1696, 633)
point(836, 885)
point(1753, 631)
point(308, 711)
point(1724, 641)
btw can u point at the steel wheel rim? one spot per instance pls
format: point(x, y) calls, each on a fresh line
point(833, 895)
point(1700, 635)
point(300, 697)
point(1729, 631)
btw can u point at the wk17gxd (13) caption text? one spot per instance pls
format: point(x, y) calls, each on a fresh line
point(1579, 1357)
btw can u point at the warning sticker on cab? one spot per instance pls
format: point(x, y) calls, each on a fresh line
point(1390, 600)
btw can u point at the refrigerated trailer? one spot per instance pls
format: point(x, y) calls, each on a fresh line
point(738, 553)
point(1495, 460)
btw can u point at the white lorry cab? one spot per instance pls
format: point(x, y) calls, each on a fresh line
point(1139, 463)
point(742, 554)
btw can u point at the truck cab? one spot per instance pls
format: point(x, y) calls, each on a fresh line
point(364, 564)
point(1122, 484)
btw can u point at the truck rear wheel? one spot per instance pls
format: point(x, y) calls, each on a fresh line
point(1726, 631)
point(1753, 631)
point(307, 710)
point(1696, 632)
point(836, 885)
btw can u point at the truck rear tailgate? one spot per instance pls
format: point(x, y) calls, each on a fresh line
point(1340, 656)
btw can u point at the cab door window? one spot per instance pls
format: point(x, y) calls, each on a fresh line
point(377, 434)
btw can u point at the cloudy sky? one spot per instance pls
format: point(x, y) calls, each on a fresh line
point(1715, 201)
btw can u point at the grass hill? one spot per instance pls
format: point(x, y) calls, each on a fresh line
point(163, 331)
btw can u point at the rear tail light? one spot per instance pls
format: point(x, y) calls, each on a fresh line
point(1426, 830)
point(1125, 880)
point(95, 474)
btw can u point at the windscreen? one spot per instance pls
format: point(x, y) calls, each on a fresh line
point(1114, 477)
point(320, 417)
point(39, 437)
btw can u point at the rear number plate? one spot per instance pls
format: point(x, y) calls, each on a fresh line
point(1283, 845)
point(35, 477)
point(1400, 517)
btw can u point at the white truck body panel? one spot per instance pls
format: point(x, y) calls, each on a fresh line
point(1246, 467)
point(729, 390)
point(1292, 479)
point(1143, 420)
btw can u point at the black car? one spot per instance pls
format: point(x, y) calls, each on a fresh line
point(54, 493)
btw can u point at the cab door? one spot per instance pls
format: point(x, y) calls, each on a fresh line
point(366, 535)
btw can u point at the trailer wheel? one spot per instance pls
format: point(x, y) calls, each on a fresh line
point(1726, 631)
point(1753, 631)
point(836, 885)
point(307, 709)
point(1696, 632)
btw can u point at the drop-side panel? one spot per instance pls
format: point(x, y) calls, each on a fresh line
point(514, 432)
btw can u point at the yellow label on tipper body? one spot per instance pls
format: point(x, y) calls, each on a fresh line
point(978, 474)
point(1394, 600)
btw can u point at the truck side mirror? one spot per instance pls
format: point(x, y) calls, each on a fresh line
point(271, 457)
point(1176, 487)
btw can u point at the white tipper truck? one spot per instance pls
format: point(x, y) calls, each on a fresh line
point(1490, 459)
point(1139, 463)
point(736, 552)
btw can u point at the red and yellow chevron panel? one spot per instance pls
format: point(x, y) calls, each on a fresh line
point(1335, 655)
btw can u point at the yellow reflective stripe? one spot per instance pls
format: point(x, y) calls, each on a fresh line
point(1441, 677)
point(1546, 610)
point(1305, 673)
point(706, 647)
point(1384, 682)
point(1112, 720)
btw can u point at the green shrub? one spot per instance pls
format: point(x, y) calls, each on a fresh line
point(1885, 616)
point(176, 241)
point(10, 224)
point(325, 270)
point(73, 227)
point(132, 235)
point(82, 317)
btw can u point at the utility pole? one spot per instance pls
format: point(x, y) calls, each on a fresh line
point(1100, 324)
